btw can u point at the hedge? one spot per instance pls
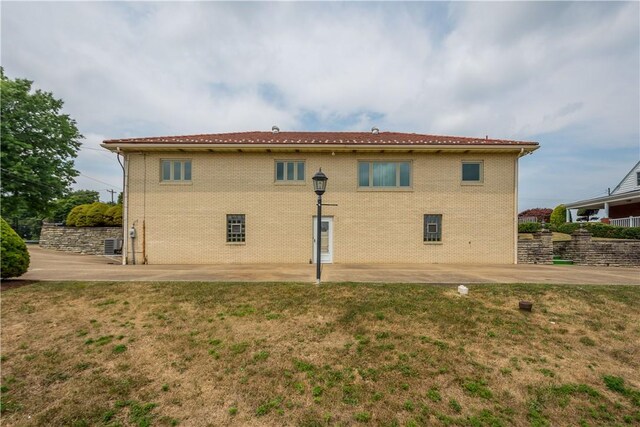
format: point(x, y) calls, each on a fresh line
point(95, 215)
point(14, 256)
point(529, 227)
point(598, 229)
point(113, 216)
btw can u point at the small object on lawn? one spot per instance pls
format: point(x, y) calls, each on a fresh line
point(526, 305)
point(463, 290)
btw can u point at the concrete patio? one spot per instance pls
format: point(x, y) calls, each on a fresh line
point(54, 265)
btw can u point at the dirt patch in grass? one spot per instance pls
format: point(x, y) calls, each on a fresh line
point(339, 354)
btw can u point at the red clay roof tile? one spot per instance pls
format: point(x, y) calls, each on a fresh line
point(319, 138)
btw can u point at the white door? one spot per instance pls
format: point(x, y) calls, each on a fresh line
point(326, 243)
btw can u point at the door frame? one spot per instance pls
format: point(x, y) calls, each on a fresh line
point(327, 258)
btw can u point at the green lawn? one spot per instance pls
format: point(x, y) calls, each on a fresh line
point(116, 354)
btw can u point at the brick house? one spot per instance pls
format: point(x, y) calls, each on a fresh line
point(248, 197)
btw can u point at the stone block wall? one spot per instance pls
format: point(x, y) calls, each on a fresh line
point(536, 251)
point(582, 250)
point(84, 240)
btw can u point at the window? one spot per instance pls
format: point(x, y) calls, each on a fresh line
point(433, 228)
point(235, 228)
point(175, 170)
point(637, 178)
point(384, 174)
point(289, 171)
point(472, 172)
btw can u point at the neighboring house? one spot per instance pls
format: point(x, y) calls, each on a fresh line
point(621, 206)
point(248, 197)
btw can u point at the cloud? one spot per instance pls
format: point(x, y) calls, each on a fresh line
point(521, 70)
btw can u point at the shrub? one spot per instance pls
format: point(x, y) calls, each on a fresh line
point(74, 214)
point(62, 207)
point(95, 214)
point(559, 215)
point(14, 256)
point(598, 229)
point(113, 216)
point(529, 227)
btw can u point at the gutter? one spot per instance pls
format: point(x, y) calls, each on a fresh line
point(323, 147)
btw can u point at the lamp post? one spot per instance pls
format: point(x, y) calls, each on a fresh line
point(319, 186)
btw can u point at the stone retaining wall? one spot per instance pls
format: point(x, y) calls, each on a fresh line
point(536, 251)
point(582, 250)
point(84, 240)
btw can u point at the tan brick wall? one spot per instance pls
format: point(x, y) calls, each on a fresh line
point(186, 224)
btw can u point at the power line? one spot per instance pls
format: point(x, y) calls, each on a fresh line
point(97, 180)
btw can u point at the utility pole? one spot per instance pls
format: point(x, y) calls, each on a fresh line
point(112, 193)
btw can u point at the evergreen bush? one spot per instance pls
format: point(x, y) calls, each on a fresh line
point(95, 216)
point(559, 215)
point(72, 218)
point(14, 256)
point(529, 227)
point(113, 216)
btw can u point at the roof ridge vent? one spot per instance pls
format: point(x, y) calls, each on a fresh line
point(375, 130)
point(275, 129)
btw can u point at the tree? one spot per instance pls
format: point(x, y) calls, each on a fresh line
point(541, 214)
point(558, 216)
point(39, 144)
point(14, 256)
point(63, 206)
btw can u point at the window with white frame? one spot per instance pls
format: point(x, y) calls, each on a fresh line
point(289, 171)
point(373, 174)
point(472, 172)
point(175, 170)
point(433, 228)
point(236, 228)
point(637, 178)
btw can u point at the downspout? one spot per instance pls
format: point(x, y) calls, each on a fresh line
point(515, 208)
point(125, 210)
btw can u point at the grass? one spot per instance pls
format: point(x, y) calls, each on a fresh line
point(141, 354)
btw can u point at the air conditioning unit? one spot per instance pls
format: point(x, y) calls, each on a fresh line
point(112, 246)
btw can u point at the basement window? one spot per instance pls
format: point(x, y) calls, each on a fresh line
point(432, 228)
point(175, 170)
point(236, 228)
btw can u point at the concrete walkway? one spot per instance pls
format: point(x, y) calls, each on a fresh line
point(54, 265)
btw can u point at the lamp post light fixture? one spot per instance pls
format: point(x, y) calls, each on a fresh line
point(319, 186)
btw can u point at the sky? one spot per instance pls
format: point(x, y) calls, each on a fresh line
point(564, 74)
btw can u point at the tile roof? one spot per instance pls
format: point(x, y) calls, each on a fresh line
point(318, 138)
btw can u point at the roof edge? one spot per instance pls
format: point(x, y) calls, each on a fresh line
point(117, 145)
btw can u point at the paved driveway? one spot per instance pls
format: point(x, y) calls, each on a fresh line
point(54, 265)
